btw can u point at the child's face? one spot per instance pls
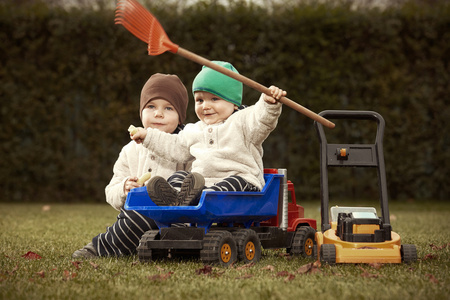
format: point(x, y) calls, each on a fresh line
point(212, 109)
point(160, 114)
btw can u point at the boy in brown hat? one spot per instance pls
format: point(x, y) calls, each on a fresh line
point(163, 105)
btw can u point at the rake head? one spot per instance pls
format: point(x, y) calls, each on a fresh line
point(142, 24)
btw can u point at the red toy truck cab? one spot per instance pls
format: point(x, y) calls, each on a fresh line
point(296, 212)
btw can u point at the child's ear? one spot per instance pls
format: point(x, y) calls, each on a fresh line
point(236, 107)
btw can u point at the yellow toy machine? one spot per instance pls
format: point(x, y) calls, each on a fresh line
point(357, 234)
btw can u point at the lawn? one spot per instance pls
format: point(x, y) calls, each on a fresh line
point(37, 242)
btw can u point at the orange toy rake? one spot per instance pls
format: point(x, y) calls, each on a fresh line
point(141, 23)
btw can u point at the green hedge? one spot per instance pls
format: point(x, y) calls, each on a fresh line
point(70, 84)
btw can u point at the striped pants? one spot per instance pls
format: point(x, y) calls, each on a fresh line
point(122, 238)
point(233, 183)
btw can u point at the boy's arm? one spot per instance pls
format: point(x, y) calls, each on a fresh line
point(172, 147)
point(263, 117)
point(115, 194)
point(114, 191)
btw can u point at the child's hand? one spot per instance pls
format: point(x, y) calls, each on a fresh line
point(139, 136)
point(131, 183)
point(277, 93)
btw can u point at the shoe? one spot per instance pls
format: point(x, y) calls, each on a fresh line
point(87, 251)
point(191, 189)
point(161, 192)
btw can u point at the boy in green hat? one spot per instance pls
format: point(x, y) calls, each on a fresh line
point(225, 146)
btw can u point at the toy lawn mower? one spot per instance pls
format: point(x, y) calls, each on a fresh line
point(357, 234)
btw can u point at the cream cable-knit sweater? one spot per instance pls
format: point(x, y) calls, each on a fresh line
point(217, 151)
point(136, 160)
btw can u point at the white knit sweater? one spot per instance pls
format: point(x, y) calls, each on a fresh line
point(136, 160)
point(233, 147)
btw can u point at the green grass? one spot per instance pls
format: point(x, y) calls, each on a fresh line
point(54, 234)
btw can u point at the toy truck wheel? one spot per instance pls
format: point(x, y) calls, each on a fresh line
point(408, 253)
point(145, 253)
point(248, 245)
point(328, 254)
point(219, 247)
point(303, 243)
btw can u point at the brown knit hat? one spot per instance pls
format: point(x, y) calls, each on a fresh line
point(167, 87)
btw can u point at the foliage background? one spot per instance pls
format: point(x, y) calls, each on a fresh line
point(71, 79)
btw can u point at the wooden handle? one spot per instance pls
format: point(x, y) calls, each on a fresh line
point(254, 85)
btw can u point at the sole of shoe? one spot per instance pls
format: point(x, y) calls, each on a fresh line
point(191, 189)
point(161, 192)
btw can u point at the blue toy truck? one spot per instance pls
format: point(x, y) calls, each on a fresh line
point(228, 226)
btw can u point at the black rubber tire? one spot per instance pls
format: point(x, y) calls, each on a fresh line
point(147, 254)
point(304, 242)
point(219, 247)
point(328, 254)
point(408, 253)
point(248, 245)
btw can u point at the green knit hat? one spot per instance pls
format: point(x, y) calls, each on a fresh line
point(227, 88)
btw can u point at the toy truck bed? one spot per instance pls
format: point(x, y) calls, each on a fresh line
point(213, 207)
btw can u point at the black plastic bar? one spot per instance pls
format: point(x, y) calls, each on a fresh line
point(378, 162)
